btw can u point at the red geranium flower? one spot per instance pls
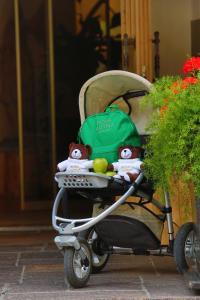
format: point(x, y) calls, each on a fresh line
point(164, 107)
point(177, 86)
point(163, 110)
point(191, 65)
point(190, 80)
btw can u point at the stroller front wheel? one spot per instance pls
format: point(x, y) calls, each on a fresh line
point(185, 247)
point(99, 260)
point(77, 272)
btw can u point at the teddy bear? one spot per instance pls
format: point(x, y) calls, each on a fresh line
point(78, 160)
point(128, 165)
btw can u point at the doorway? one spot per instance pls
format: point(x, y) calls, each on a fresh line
point(36, 123)
point(25, 142)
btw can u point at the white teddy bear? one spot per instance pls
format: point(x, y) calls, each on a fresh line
point(78, 160)
point(129, 164)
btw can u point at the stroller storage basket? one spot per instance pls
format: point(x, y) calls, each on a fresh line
point(81, 180)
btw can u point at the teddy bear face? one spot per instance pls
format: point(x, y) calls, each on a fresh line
point(79, 151)
point(76, 154)
point(129, 152)
point(126, 153)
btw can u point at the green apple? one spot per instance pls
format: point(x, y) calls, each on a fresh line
point(111, 173)
point(100, 165)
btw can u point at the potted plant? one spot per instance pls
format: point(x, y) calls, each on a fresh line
point(173, 150)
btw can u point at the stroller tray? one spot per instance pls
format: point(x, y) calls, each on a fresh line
point(81, 180)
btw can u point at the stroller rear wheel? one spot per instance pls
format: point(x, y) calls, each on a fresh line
point(99, 259)
point(77, 271)
point(185, 247)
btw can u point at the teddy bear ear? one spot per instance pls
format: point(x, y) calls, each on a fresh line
point(71, 145)
point(136, 151)
point(89, 149)
point(120, 150)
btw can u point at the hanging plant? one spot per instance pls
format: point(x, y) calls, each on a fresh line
point(173, 150)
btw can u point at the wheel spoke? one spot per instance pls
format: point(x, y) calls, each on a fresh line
point(80, 270)
point(77, 262)
point(190, 251)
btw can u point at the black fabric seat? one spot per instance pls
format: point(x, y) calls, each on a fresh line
point(122, 231)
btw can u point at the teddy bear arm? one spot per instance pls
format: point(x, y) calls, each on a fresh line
point(115, 166)
point(138, 165)
point(110, 167)
point(62, 166)
point(142, 166)
point(88, 164)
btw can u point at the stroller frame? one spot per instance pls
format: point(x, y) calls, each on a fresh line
point(71, 231)
point(67, 229)
point(78, 239)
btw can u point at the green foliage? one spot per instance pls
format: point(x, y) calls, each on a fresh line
point(173, 150)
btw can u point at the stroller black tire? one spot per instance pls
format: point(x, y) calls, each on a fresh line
point(76, 274)
point(181, 246)
point(103, 259)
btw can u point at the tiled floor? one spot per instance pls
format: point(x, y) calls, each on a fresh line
point(31, 268)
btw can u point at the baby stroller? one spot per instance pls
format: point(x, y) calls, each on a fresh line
point(119, 226)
